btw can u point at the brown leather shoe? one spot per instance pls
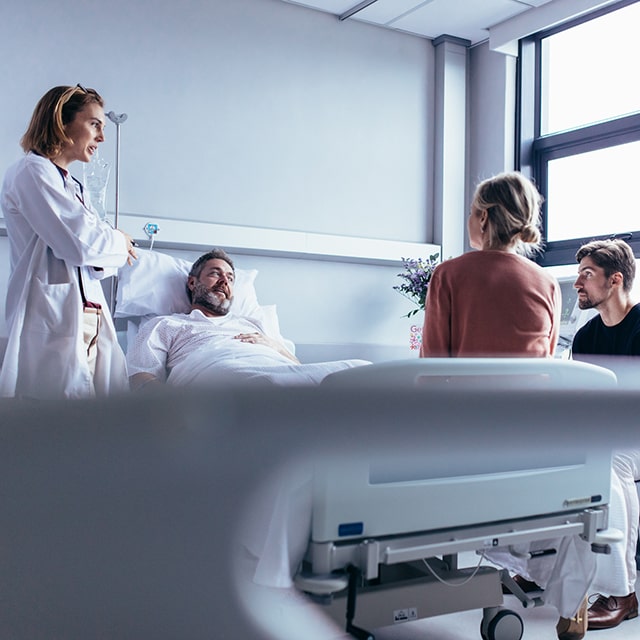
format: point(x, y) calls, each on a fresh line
point(606, 613)
point(573, 628)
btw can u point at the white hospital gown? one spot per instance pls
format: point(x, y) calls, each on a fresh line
point(194, 349)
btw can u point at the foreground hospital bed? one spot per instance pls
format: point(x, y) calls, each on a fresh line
point(386, 534)
point(128, 517)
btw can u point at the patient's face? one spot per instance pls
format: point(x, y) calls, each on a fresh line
point(212, 290)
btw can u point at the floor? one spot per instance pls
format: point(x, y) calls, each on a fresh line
point(539, 624)
point(286, 614)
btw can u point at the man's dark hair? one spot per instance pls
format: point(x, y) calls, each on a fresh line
point(198, 265)
point(612, 256)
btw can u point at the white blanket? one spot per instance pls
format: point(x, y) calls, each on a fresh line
point(193, 349)
point(201, 367)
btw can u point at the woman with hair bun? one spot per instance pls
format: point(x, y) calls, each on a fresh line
point(495, 301)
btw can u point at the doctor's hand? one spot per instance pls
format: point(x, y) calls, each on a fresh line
point(131, 243)
point(260, 338)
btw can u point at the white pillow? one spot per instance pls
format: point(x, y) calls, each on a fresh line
point(156, 285)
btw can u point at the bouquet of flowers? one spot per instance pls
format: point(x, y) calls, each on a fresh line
point(415, 280)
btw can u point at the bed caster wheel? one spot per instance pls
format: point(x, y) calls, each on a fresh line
point(501, 624)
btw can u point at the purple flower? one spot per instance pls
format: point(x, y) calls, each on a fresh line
point(415, 280)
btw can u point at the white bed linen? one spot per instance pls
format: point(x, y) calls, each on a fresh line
point(616, 572)
point(187, 349)
point(565, 576)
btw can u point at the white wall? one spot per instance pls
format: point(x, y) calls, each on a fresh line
point(492, 87)
point(492, 106)
point(249, 112)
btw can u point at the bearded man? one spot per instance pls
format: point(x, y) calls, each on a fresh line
point(605, 277)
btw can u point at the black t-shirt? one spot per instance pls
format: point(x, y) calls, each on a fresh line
point(623, 339)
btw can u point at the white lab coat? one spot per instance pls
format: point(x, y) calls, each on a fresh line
point(51, 234)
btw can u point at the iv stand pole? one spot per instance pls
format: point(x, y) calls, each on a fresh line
point(117, 119)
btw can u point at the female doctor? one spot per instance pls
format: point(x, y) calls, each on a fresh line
point(61, 338)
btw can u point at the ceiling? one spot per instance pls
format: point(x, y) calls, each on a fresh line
point(468, 19)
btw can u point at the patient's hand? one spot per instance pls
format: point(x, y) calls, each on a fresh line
point(140, 380)
point(260, 338)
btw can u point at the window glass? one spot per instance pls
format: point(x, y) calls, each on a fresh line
point(593, 193)
point(590, 72)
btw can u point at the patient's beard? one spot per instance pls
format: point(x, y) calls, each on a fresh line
point(204, 297)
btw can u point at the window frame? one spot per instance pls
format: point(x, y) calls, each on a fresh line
point(534, 151)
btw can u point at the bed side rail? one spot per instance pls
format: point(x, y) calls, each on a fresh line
point(367, 554)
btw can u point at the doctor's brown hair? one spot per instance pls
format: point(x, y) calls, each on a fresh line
point(58, 107)
point(612, 256)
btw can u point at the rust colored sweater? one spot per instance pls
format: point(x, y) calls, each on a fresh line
point(491, 303)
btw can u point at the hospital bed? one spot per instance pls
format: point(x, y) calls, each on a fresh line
point(155, 285)
point(386, 535)
point(122, 517)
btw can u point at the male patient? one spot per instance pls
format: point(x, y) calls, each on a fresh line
point(605, 276)
point(211, 342)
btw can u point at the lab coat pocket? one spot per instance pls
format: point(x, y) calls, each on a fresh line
point(53, 309)
point(45, 356)
point(50, 363)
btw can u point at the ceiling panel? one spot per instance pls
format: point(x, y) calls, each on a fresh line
point(337, 7)
point(383, 12)
point(442, 17)
point(468, 19)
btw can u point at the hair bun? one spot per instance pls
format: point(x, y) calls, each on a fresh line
point(530, 234)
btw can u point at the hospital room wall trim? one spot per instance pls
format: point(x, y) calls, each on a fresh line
point(276, 243)
point(178, 234)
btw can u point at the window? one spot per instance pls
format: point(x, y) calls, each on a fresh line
point(587, 72)
point(581, 142)
point(601, 203)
